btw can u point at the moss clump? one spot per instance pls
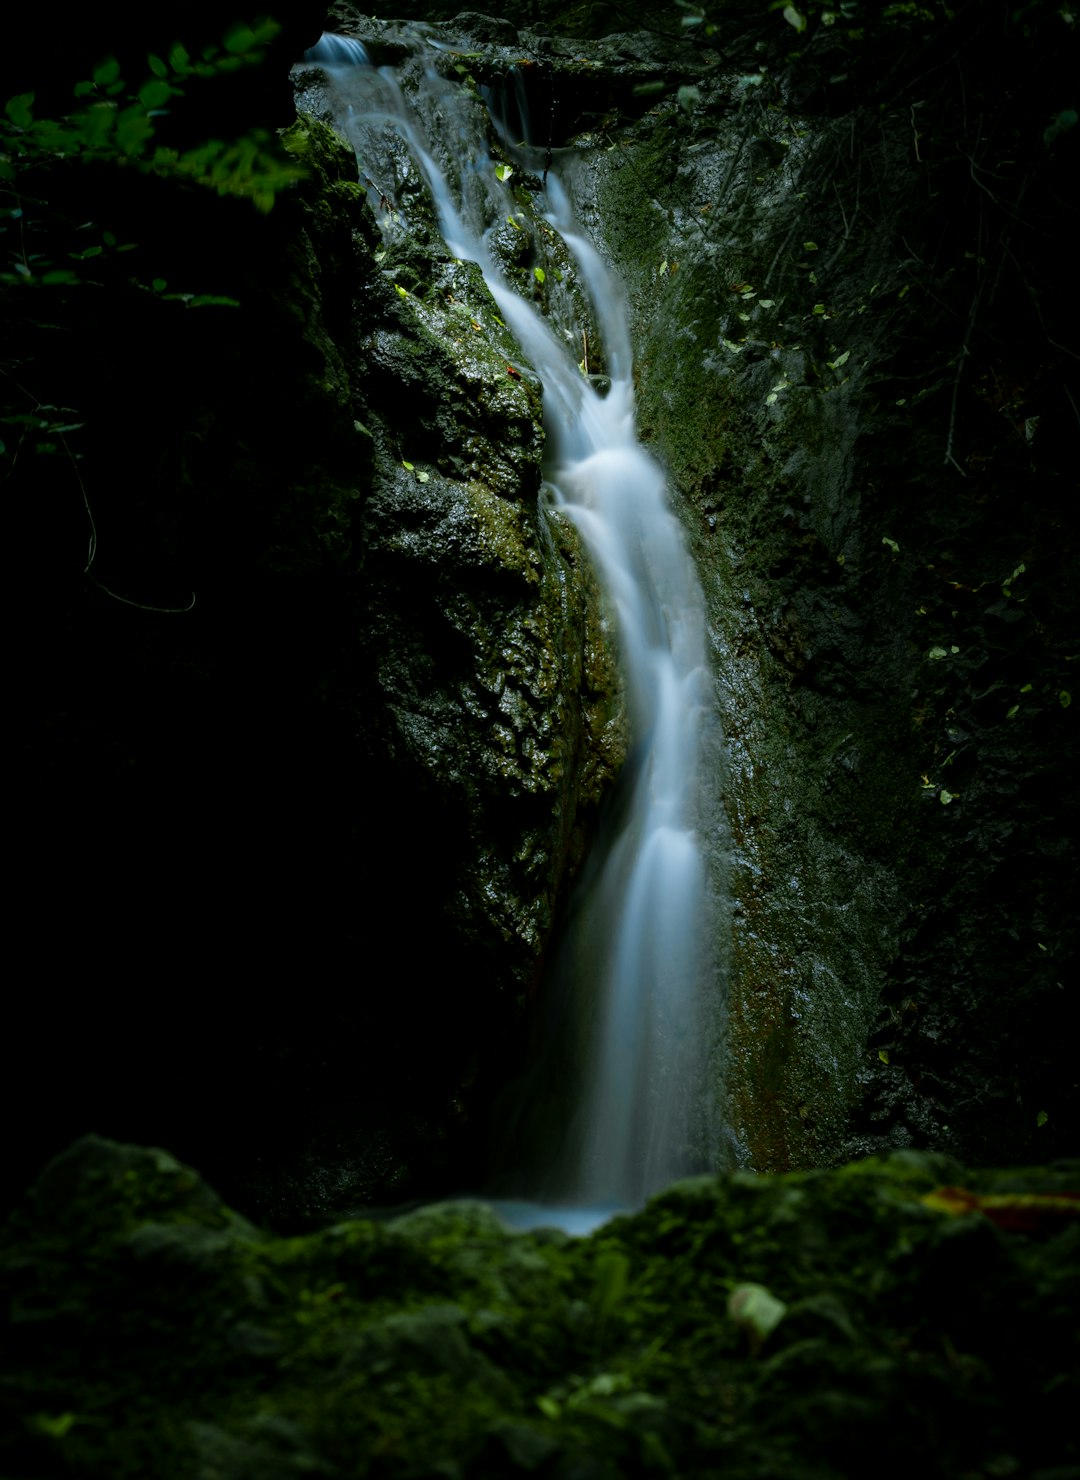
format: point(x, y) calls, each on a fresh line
point(799, 1326)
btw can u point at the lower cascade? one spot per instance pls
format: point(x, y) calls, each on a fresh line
point(630, 1059)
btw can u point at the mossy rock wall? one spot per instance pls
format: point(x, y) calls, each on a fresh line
point(864, 410)
point(823, 346)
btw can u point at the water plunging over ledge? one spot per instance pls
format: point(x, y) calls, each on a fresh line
point(635, 962)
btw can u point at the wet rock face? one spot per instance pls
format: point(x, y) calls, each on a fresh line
point(875, 495)
point(855, 470)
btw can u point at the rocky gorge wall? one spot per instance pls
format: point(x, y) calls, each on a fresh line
point(354, 782)
point(849, 358)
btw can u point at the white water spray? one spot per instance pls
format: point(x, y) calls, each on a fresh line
point(637, 943)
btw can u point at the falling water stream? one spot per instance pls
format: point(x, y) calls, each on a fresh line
point(636, 945)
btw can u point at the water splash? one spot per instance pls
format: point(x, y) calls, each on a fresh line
point(337, 51)
point(635, 953)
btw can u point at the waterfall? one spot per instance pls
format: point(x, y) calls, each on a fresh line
point(635, 949)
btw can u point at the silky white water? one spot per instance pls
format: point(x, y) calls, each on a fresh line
point(635, 951)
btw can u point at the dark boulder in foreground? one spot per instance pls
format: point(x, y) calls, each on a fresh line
point(893, 1316)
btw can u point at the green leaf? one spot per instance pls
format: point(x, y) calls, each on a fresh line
point(1006, 584)
point(154, 94)
point(239, 39)
point(1041, 1118)
point(612, 1281)
point(133, 130)
point(53, 1426)
point(266, 28)
point(504, 172)
point(883, 1055)
point(18, 109)
point(106, 72)
point(1064, 698)
point(937, 652)
point(1067, 119)
point(794, 18)
point(179, 58)
point(893, 546)
point(539, 274)
point(98, 124)
point(159, 285)
point(157, 66)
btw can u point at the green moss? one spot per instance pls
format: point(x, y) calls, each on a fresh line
point(438, 1343)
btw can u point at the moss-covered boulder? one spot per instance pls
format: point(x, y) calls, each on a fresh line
point(878, 1319)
